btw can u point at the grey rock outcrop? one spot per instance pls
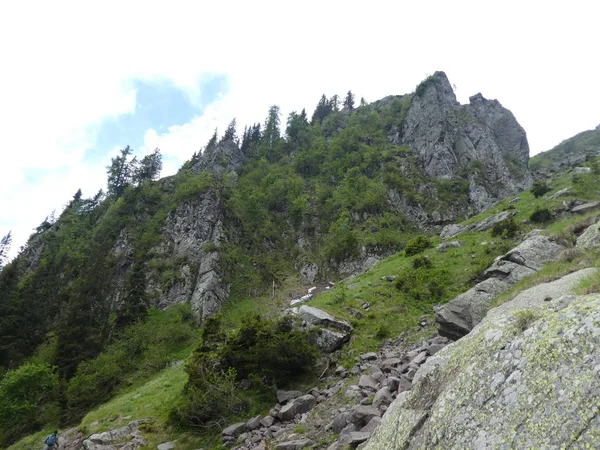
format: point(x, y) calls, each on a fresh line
point(222, 157)
point(460, 315)
point(190, 238)
point(525, 377)
point(453, 230)
point(482, 136)
point(124, 438)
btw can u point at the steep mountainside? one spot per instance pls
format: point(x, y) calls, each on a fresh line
point(315, 201)
point(569, 153)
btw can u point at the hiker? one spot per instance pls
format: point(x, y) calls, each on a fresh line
point(51, 441)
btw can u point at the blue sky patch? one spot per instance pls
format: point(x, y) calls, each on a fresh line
point(158, 106)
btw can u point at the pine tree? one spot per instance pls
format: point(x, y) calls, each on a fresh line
point(334, 103)
point(322, 110)
point(5, 248)
point(230, 132)
point(135, 302)
point(272, 133)
point(349, 101)
point(120, 172)
point(149, 167)
point(213, 140)
point(246, 137)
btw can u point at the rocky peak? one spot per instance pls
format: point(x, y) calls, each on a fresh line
point(226, 156)
point(481, 141)
point(510, 136)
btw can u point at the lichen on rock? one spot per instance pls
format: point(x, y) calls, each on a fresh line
point(506, 385)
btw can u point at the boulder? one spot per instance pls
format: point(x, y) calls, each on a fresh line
point(354, 438)
point(329, 340)
point(361, 415)
point(453, 230)
point(527, 374)
point(235, 429)
point(300, 405)
point(373, 423)
point(166, 446)
point(285, 396)
point(368, 382)
point(107, 439)
point(253, 423)
point(457, 317)
point(340, 421)
point(534, 252)
point(580, 209)
point(294, 445)
point(382, 397)
point(590, 238)
point(267, 421)
point(460, 315)
point(446, 245)
point(487, 223)
point(315, 316)
point(581, 170)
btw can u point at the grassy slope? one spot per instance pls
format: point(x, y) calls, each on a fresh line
point(391, 313)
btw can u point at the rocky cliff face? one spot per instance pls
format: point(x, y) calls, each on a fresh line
point(481, 141)
point(192, 237)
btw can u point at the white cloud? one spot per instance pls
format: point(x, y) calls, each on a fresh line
point(69, 64)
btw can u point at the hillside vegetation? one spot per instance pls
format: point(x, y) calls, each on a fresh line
point(88, 310)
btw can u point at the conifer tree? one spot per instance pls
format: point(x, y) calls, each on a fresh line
point(349, 101)
point(5, 248)
point(213, 140)
point(230, 132)
point(120, 172)
point(149, 167)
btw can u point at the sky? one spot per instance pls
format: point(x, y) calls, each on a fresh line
point(80, 80)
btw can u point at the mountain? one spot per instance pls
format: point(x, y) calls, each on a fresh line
point(569, 153)
point(323, 199)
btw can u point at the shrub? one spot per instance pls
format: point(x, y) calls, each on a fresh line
point(382, 332)
point(273, 350)
point(416, 245)
point(210, 247)
point(27, 396)
point(506, 228)
point(524, 318)
point(571, 254)
point(211, 399)
point(422, 261)
point(539, 188)
point(423, 283)
point(565, 238)
point(541, 215)
point(263, 351)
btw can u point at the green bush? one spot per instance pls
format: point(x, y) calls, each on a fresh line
point(273, 350)
point(421, 261)
point(541, 215)
point(423, 283)
point(417, 245)
point(266, 352)
point(211, 399)
point(28, 400)
point(539, 188)
point(506, 228)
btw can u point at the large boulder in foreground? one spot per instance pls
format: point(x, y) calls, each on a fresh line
point(457, 317)
point(528, 376)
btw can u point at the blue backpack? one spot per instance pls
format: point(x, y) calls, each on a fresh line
point(51, 440)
